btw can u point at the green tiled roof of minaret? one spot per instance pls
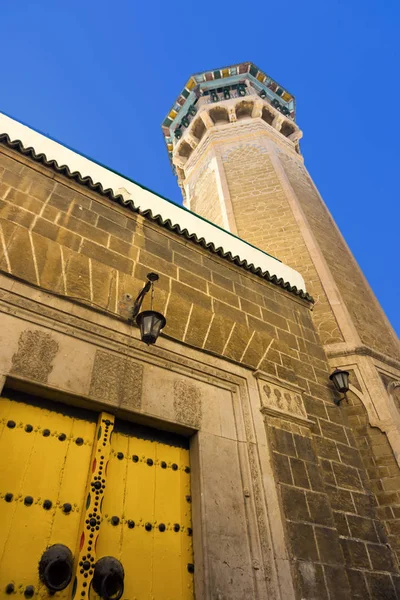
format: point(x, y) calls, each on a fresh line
point(227, 80)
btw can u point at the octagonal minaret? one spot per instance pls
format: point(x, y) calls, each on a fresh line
point(233, 142)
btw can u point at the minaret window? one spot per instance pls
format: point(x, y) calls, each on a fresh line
point(287, 129)
point(267, 116)
point(219, 115)
point(185, 150)
point(198, 129)
point(244, 109)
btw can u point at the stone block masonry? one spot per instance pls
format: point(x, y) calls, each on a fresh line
point(337, 485)
point(76, 243)
point(264, 218)
point(365, 311)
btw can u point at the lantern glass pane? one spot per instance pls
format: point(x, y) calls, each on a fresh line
point(150, 323)
point(340, 380)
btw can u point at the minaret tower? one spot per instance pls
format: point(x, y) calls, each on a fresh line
point(233, 142)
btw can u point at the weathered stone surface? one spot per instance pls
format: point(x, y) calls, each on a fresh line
point(114, 229)
point(239, 339)
point(218, 334)
point(198, 325)
point(381, 586)
point(341, 523)
point(333, 432)
point(15, 214)
point(329, 548)
point(283, 470)
point(112, 259)
point(192, 280)
point(226, 520)
point(184, 262)
point(177, 315)
point(84, 229)
point(77, 275)
point(294, 504)
point(229, 313)
point(340, 499)
point(49, 264)
point(282, 441)
point(320, 509)
point(18, 257)
point(304, 448)
point(85, 214)
point(256, 348)
point(355, 553)
point(299, 473)
point(223, 295)
point(111, 212)
point(359, 300)
point(327, 449)
point(302, 540)
point(311, 581)
point(381, 557)
point(104, 284)
point(315, 478)
point(117, 245)
point(337, 582)
point(358, 585)
point(362, 528)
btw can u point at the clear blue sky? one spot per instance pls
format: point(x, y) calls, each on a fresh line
point(100, 77)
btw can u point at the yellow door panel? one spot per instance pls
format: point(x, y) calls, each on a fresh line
point(147, 514)
point(45, 453)
point(102, 489)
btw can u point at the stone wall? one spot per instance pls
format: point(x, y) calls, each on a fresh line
point(63, 237)
point(265, 219)
point(74, 242)
point(337, 539)
point(382, 469)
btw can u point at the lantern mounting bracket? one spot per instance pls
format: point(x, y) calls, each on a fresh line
point(151, 278)
point(337, 401)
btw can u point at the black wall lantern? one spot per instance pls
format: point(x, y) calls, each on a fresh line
point(150, 321)
point(340, 380)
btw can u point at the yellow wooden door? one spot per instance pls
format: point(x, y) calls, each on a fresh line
point(146, 513)
point(109, 489)
point(45, 453)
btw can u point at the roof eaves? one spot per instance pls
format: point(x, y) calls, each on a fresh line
point(147, 214)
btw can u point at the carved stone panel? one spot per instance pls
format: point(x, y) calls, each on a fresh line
point(35, 355)
point(116, 380)
point(187, 403)
point(285, 401)
point(281, 399)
